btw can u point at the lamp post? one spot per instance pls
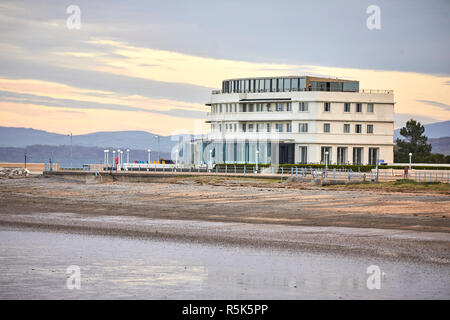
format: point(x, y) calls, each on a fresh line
point(113, 159)
point(159, 147)
point(410, 155)
point(210, 158)
point(326, 162)
point(128, 156)
point(25, 155)
point(148, 151)
point(257, 158)
point(70, 135)
point(105, 161)
point(176, 158)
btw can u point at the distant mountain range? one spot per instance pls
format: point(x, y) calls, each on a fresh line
point(41, 145)
point(61, 154)
point(23, 137)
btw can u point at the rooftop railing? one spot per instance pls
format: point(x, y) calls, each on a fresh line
point(372, 91)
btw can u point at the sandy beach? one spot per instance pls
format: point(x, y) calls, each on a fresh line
point(237, 211)
point(178, 238)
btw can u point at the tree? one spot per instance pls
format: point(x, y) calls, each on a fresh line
point(415, 142)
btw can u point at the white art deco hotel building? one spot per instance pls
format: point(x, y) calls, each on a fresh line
point(307, 120)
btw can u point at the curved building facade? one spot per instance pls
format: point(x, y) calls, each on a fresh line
point(306, 120)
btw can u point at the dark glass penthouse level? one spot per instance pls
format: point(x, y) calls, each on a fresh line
point(283, 84)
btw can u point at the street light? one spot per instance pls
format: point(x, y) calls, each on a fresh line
point(159, 147)
point(148, 150)
point(326, 161)
point(105, 161)
point(128, 156)
point(176, 158)
point(257, 158)
point(410, 155)
point(70, 135)
point(113, 159)
point(210, 158)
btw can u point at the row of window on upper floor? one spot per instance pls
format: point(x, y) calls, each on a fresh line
point(279, 107)
point(285, 127)
point(286, 84)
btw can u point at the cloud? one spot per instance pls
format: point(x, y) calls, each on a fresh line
point(436, 103)
point(402, 118)
point(161, 60)
point(77, 104)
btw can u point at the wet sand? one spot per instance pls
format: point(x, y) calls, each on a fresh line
point(239, 239)
point(243, 201)
point(33, 265)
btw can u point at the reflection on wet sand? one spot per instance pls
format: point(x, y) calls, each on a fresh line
point(33, 266)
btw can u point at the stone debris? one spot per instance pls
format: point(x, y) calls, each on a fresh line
point(14, 172)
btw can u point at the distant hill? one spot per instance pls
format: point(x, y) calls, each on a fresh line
point(440, 145)
point(432, 130)
point(22, 137)
point(61, 154)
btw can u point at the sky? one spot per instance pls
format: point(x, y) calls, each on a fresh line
point(151, 65)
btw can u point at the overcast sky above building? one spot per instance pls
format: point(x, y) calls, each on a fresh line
point(150, 65)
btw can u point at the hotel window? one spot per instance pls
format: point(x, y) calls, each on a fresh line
point(289, 106)
point(244, 107)
point(268, 107)
point(370, 128)
point(346, 127)
point(358, 107)
point(287, 84)
point(346, 107)
point(358, 128)
point(220, 127)
point(341, 155)
point(280, 85)
point(373, 156)
point(259, 107)
point(267, 86)
point(324, 156)
point(303, 107)
point(261, 85)
point(370, 107)
point(268, 127)
point(235, 127)
point(279, 107)
point(250, 127)
point(326, 127)
point(274, 85)
point(235, 107)
point(326, 107)
point(288, 127)
point(250, 107)
point(259, 127)
point(303, 127)
point(303, 155)
point(357, 155)
point(220, 108)
point(244, 128)
point(279, 127)
point(294, 84)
